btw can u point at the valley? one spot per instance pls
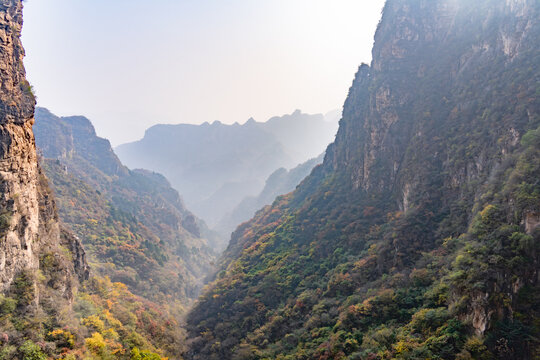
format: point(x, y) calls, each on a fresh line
point(404, 226)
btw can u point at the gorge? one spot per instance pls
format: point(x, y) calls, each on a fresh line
point(415, 235)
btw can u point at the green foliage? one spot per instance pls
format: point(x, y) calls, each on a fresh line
point(7, 305)
point(5, 221)
point(24, 288)
point(531, 139)
point(113, 221)
point(144, 355)
point(415, 233)
point(119, 322)
point(31, 351)
point(27, 89)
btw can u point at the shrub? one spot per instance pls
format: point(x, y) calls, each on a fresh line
point(31, 351)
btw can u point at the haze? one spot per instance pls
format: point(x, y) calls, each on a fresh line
point(129, 64)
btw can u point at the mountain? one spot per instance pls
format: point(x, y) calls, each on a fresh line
point(417, 238)
point(280, 182)
point(215, 165)
point(41, 263)
point(51, 306)
point(303, 136)
point(134, 226)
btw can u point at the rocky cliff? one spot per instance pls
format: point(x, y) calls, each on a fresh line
point(47, 311)
point(417, 238)
point(29, 223)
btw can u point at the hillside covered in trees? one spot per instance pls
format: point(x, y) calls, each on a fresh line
point(417, 238)
point(134, 226)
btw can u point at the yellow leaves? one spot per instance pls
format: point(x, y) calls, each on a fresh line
point(109, 304)
point(120, 286)
point(488, 210)
point(94, 322)
point(259, 245)
point(96, 343)
point(62, 337)
point(56, 332)
point(447, 241)
point(120, 319)
point(109, 318)
point(110, 334)
point(373, 249)
point(402, 347)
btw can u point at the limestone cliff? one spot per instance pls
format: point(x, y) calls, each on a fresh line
point(28, 220)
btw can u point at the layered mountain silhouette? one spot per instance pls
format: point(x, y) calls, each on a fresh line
point(280, 182)
point(215, 166)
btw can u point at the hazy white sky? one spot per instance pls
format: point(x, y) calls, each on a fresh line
point(129, 64)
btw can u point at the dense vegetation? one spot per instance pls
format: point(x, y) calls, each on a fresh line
point(132, 223)
point(105, 321)
point(139, 239)
point(310, 297)
point(417, 238)
point(70, 318)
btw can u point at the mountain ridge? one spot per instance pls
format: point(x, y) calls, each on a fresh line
point(410, 240)
point(138, 206)
point(216, 165)
point(280, 182)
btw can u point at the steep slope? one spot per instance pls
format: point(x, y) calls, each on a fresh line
point(418, 236)
point(40, 263)
point(49, 309)
point(280, 182)
point(133, 224)
point(215, 165)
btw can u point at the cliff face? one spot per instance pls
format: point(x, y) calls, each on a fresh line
point(465, 63)
point(29, 226)
point(417, 237)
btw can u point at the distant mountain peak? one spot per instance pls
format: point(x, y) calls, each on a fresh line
point(214, 166)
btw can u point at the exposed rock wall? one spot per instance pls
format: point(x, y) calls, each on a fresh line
point(382, 122)
point(29, 223)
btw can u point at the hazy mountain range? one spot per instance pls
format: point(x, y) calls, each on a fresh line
point(280, 182)
point(215, 166)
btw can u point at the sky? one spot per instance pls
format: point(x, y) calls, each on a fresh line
point(130, 64)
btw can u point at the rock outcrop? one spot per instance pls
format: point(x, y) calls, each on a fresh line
point(28, 220)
